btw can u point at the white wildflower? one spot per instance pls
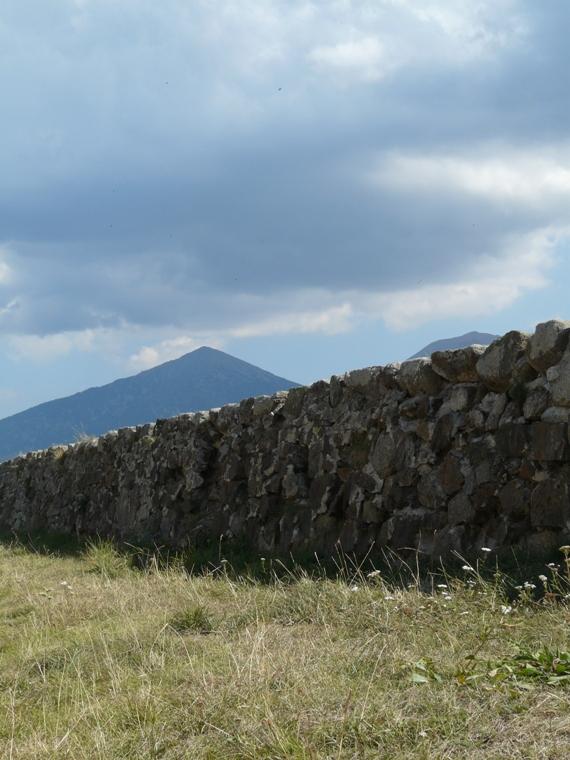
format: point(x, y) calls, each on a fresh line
point(468, 568)
point(486, 549)
point(373, 574)
point(442, 585)
point(506, 609)
point(354, 588)
point(543, 578)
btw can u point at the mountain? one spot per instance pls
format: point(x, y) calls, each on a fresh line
point(469, 339)
point(202, 379)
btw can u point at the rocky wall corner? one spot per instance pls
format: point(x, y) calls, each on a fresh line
point(465, 449)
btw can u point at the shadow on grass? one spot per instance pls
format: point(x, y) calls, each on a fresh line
point(239, 560)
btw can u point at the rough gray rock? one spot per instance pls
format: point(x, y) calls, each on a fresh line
point(549, 505)
point(546, 346)
point(496, 366)
point(459, 365)
point(556, 414)
point(536, 403)
point(549, 441)
point(558, 378)
point(417, 376)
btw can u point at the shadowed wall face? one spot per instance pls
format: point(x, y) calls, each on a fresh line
point(467, 449)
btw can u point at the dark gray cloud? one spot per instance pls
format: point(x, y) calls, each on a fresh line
point(180, 164)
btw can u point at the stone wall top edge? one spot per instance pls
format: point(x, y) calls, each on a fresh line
point(515, 357)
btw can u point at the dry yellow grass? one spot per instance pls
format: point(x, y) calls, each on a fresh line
point(124, 663)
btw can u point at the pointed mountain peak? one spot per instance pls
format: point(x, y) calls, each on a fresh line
point(201, 379)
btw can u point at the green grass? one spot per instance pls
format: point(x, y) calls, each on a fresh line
point(99, 659)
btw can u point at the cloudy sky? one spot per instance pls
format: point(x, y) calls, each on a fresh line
point(311, 186)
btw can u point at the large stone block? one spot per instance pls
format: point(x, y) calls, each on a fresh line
point(485, 501)
point(493, 405)
point(458, 365)
point(515, 500)
point(430, 491)
point(500, 360)
point(549, 441)
point(536, 403)
point(401, 531)
point(546, 347)
point(383, 455)
point(450, 474)
point(558, 378)
point(556, 414)
point(417, 377)
point(415, 408)
point(460, 510)
point(445, 430)
point(549, 506)
point(512, 440)
point(459, 398)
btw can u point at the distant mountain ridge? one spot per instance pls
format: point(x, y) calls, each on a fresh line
point(469, 339)
point(203, 379)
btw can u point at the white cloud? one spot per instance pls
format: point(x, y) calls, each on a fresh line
point(10, 306)
point(479, 22)
point(5, 268)
point(330, 321)
point(494, 284)
point(45, 348)
point(361, 58)
point(539, 177)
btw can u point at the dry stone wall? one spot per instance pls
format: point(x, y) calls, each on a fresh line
point(465, 449)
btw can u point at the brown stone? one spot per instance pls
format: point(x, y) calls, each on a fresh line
point(445, 429)
point(485, 501)
point(430, 491)
point(450, 474)
point(515, 499)
point(549, 507)
point(460, 510)
point(512, 440)
point(415, 408)
point(549, 441)
point(527, 470)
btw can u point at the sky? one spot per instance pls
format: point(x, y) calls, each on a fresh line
point(310, 186)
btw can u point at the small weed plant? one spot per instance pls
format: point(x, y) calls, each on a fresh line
point(103, 557)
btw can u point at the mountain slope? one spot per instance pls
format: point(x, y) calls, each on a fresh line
point(202, 379)
point(469, 339)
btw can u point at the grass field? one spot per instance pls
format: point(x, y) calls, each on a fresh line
point(100, 660)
